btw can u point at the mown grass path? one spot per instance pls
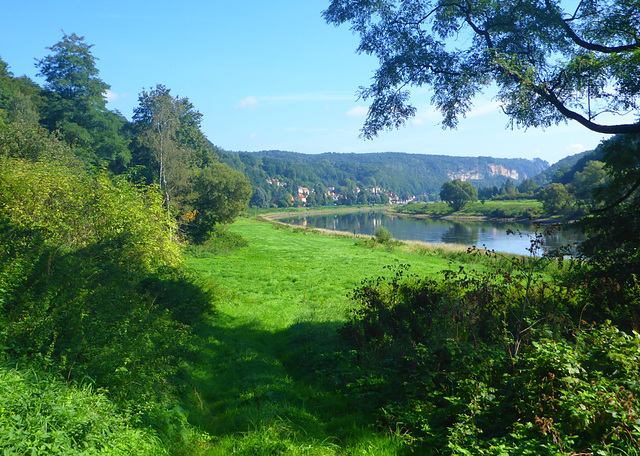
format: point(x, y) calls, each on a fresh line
point(281, 300)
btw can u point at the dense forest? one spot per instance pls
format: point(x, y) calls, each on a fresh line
point(368, 178)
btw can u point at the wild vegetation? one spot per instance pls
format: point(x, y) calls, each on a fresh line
point(136, 318)
point(94, 294)
point(522, 209)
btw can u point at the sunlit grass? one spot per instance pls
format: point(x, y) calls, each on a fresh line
point(281, 300)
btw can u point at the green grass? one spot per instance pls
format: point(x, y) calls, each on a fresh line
point(280, 301)
point(499, 209)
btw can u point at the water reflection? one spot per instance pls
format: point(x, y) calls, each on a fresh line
point(491, 235)
point(461, 234)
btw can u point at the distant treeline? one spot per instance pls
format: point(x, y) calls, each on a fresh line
point(348, 175)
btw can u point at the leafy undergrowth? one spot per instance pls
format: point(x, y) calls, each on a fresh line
point(43, 415)
point(491, 364)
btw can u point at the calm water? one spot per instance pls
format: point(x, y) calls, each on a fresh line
point(492, 235)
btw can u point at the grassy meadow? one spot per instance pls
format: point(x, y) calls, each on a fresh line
point(281, 298)
point(493, 209)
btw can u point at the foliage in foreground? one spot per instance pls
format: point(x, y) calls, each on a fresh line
point(91, 281)
point(499, 363)
point(40, 415)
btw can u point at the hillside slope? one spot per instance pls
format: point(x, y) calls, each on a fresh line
point(409, 174)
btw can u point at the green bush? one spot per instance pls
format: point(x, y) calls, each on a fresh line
point(382, 235)
point(40, 415)
point(91, 281)
point(492, 363)
point(219, 241)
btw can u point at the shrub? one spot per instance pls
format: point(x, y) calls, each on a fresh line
point(219, 241)
point(41, 415)
point(91, 281)
point(382, 235)
point(491, 363)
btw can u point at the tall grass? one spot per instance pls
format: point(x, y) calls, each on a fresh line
point(42, 415)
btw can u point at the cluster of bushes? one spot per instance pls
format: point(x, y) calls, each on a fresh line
point(495, 363)
point(92, 285)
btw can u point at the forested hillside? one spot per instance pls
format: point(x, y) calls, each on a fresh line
point(564, 169)
point(404, 175)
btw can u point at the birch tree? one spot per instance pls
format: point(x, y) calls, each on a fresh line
point(165, 126)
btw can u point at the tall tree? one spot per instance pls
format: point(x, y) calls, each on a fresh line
point(220, 194)
point(168, 136)
point(549, 64)
point(614, 228)
point(592, 178)
point(555, 199)
point(76, 105)
point(457, 193)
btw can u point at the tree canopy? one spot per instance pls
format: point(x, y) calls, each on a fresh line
point(548, 63)
point(180, 159)
point(457, 193)
point(75, 104)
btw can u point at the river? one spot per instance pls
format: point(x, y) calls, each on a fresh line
point(491, 235)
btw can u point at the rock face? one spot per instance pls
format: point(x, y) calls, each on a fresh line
point(499, 170)
point(493, 170)
point(474, 174)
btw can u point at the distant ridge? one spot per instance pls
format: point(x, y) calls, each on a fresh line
point(410, 174)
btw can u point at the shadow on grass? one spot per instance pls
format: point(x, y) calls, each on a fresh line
point(248, 381)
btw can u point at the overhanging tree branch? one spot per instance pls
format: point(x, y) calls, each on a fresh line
point(620, 200)
point(585, 44)
point(516, 43)
point(551, 98)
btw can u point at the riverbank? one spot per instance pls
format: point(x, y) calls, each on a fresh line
point(523, 211)
point(499, 210)
point(273, 215)
point(406, 244)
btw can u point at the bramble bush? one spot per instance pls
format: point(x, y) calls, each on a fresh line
point(491, 363)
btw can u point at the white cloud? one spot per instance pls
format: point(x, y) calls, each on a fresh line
point(111, 96)
point(248, 102)
point(358, 111)
point(417, 121)
point(575, 149)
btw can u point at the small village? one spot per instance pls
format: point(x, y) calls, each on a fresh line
point(341, 195)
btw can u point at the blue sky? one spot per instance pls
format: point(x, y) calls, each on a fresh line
point(265, 75)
